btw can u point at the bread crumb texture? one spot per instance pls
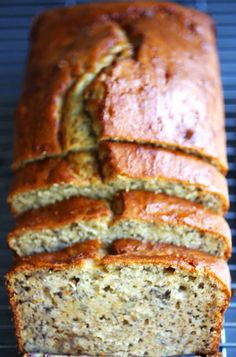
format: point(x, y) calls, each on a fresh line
point(121, 310)
point(135, 214)
point(120, 166)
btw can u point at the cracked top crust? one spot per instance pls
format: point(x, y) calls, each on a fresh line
point(89, 54)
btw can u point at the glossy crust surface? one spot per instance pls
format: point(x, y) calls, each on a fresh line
point(129, 251)
point(145, 161)
point(172, 53)
point(147, 98)
point(155, 208)
point(74, 255)
point(43, 173)
point(189, 259)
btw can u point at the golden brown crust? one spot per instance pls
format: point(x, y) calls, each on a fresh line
point(74, 255)
point(42, 174)
point(60, 214)
point(159, 208)
point(127, 251)
point(145, 162)
point(126, 161)
point(69, 52)
point(130, 251)
point(78, 169)
point(147, 99)
point(137, 206)
point(136, 251)
point(74, 39)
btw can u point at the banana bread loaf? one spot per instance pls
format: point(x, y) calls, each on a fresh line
point(135, 302)
point(121, 166)
point(120, 133)
point(145, 72)
point(137, 214)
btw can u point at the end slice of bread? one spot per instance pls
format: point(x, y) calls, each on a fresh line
point(135, 302)
point(136, 214)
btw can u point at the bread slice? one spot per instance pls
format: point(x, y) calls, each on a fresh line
point(60, 225)
point(135, 302)
point(160, 218)
point(122, 166)
point(137, 214)
point(144, 94)
point(133, 166)
point(45, 182)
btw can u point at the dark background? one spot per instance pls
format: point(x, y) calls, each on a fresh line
point(15, 20)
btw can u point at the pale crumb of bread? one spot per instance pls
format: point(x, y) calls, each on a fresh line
point(24, 201)
point(49, 240)
point(122, 310)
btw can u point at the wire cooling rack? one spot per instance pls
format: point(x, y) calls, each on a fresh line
point(15, 20)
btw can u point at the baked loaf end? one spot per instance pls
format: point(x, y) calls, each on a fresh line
point(62, 301)
point(124, 166)
point(138, 214)
point(142, 59)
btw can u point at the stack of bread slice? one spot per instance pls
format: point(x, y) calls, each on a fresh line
point(119, 186)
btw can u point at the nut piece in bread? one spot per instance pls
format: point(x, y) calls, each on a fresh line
point(135, 302)
point(124, 166)
point(136, 214)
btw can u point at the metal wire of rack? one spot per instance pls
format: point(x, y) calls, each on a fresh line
point(15, 20)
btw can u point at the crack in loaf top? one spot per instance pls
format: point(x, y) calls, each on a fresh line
point(144, 72)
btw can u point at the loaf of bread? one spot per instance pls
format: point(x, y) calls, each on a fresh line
point(144, 72)
point(123, 166)
point(119, 189)
point(136, 214)
point(136, 301)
